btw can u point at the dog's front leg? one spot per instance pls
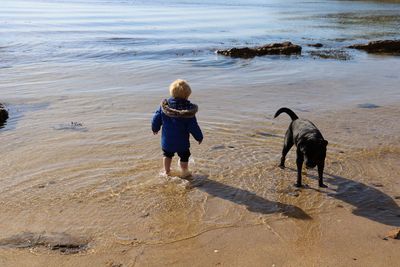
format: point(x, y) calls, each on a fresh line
point(320, 174)
point(299, 162)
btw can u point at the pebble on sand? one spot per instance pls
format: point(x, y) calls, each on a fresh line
point(394, 234)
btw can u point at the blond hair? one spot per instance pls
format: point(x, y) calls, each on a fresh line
point(180, 89)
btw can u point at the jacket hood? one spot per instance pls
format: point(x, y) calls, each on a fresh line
point(177, 113)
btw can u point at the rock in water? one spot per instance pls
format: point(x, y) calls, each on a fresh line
point(60, 242)
point(368, 105)
point(395, 234)
point(286, 48)
point(383, 46)
point(3, 114)
point(316, 45)
point(331, 54)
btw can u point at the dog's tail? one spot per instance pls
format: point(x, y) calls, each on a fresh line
point(292, 115)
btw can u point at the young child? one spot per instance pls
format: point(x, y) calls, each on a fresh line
point(177, 118)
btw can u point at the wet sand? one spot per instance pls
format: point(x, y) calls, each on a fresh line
point(240, 209)
point(89, 193)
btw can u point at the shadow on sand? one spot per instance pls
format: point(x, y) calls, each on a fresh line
point(367, 201)
point(252, 202)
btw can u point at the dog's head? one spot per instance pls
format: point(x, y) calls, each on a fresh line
point(314, 151)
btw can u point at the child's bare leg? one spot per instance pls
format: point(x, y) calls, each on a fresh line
point(167, 165)
point(184, 166)
point(184, 163)
point(185, 169)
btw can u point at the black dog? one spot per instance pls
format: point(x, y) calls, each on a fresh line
point(311, 146)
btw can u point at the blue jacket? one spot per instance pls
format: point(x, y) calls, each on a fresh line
point(178, 121)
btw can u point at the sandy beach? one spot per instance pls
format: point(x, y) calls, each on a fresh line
point(80, 181)
point(233, 213)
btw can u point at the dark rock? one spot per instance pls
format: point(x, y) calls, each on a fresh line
point(294, 194)
point(383, 46)
point(144, 215)
point(3, 114)
point(316, 45)
point(285, 48)
point(368, 105)
point(216, 147)
point(60, 242)
point(377, 184)
point(394, 234)
point(268, 134)
point(331, 54)
point(397, 197)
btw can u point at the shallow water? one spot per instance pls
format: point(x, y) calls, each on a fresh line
point(82, 78)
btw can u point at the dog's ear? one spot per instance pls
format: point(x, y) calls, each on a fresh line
point(325, 142)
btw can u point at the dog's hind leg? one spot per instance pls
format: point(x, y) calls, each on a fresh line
point(320, 175)
point(287, 145)
point(299, 162)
